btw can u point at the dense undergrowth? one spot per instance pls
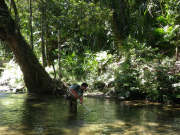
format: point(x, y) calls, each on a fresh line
point(140, 73)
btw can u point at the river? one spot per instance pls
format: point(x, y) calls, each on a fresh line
point(23, 114)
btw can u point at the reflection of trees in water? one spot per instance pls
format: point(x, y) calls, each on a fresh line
point(72, 117)
point(144, 116)
point(11, 109)
point(42, 113)
point(33, 115)
point(48, 115)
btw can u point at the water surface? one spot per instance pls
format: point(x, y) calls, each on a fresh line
point(23, 114)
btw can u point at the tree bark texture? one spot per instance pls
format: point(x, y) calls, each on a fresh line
point(42, 35)
point(59, 53)
point(119, 19)
point(36, 79)
point(30, 9)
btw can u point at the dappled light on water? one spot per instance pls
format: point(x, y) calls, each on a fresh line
point(32, 114)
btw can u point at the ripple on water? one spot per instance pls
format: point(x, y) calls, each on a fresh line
point(33, 114)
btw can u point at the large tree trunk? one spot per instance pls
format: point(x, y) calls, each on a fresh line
point(31, 39)
point(36, 79)
point(42, 34)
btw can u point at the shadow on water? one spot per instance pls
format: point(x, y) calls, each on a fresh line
point(48, 115)
point(143, 117)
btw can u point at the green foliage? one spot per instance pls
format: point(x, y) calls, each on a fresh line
point(128, 45)
point(127, 83)
point(145, 73)
point(159, 86)
point(167, 36)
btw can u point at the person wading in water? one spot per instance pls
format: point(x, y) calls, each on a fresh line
point(75, 92)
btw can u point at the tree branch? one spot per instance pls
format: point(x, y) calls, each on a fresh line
point(71, 32)
point(15, 9)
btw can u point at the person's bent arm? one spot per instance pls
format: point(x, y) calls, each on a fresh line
point(74, 93)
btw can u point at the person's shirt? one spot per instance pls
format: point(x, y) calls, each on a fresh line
point(78, 90)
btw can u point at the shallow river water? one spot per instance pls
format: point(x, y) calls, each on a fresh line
point(23, 114)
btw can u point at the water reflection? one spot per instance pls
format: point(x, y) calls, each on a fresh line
point(32, 114)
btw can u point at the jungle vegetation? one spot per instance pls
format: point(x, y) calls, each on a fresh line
point(128, 48)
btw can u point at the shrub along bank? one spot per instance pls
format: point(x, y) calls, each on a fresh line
point(140, 73)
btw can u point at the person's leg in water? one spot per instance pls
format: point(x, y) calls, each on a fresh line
point(72, 104)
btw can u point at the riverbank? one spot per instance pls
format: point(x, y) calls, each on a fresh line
point(98, 95)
